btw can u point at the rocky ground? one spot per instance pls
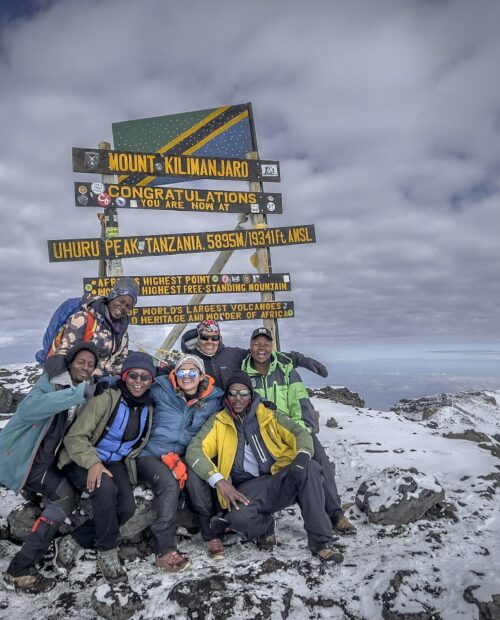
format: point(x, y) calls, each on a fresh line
point(422, 488)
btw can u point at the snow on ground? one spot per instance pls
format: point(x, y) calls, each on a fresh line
point(422, 567)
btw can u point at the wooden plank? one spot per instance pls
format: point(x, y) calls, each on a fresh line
point(175, 199)
point(177, 166)
point(63, 250)
point(194, 284)
point(168, 315)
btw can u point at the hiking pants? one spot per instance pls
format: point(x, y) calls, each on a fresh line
point(159, 478)
point(333, 505)
point(268, 494)
point(59, 498)
point(202, 499)
point(113, 504)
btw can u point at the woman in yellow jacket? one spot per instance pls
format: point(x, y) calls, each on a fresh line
point(263, 465)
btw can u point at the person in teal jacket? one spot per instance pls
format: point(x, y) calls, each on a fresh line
point(29, 444)
point(275, 379)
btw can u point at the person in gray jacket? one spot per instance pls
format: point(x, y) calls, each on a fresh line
point(29, 445)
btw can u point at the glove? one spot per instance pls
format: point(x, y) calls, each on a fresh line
point(104, 383)
point(174, 463)
point(299, 464)
point(89, 390)
point(314, 366)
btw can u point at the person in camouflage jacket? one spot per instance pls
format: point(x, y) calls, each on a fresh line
point(110, 323)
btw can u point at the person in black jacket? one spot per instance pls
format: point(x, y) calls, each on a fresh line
point(221, 361)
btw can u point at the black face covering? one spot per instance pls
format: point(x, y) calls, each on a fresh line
point(134, 401)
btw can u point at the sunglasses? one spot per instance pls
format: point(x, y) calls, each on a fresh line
point(191, 373)
point(142, 376)
point(242, 393)
point(207, 337)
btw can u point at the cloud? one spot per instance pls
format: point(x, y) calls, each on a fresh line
point(384, 116)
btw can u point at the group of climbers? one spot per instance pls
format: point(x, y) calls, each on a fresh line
point(230, 428)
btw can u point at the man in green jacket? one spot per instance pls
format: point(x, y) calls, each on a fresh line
point(275, 379)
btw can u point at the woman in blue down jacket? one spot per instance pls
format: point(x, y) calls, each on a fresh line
point(183, 401)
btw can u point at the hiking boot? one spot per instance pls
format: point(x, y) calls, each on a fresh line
point(329, 553)
point(215, 549)
point(344, 527)
point(66, 549)
point(111, 568)
point(32, 583)
point(173, 562)
point(218, 526)
point(266, 543)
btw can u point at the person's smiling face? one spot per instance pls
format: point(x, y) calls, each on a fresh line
point(120, 306)
point(261, 349)
point(138, 381)
point(208, 343)
point(82, 366)
point(188, 378)
point(239, 397)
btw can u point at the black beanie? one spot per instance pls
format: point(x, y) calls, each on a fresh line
point(80, 345)
point(239, 377)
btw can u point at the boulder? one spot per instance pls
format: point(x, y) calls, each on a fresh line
point(341, 395)
point(21, 519)
point(117, 602)
point(397, 497)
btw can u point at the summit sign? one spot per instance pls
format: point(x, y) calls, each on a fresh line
point(179, 166)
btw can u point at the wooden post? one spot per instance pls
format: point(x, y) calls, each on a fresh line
point(217, 267)
point(263, 256)
point(113, 265)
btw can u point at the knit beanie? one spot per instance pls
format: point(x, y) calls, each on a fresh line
point(124, 286)
point(239, 376)
point(137, 359)
point(80, 345)
point(209, 325)
point(191, 359)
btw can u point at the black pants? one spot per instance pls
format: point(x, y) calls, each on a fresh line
point(333, 505)
point(159, 478)
point(59, 498)
point(269, 494)
point(202, 499)
point(113, 504)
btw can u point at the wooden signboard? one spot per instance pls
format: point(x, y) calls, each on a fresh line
point(167, 315)
point(179, 166)
point(196, 284)
point(175, 199)
point(63, 250)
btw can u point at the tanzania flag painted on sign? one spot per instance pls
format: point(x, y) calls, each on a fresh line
point(217, 132)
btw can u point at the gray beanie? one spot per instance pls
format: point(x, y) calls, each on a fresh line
point(192, 359)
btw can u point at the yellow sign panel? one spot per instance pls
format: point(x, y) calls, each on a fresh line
point(182, 243)
point(196, 284)
point(167, 315)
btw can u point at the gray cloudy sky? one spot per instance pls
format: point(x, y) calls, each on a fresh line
point(385, 117)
